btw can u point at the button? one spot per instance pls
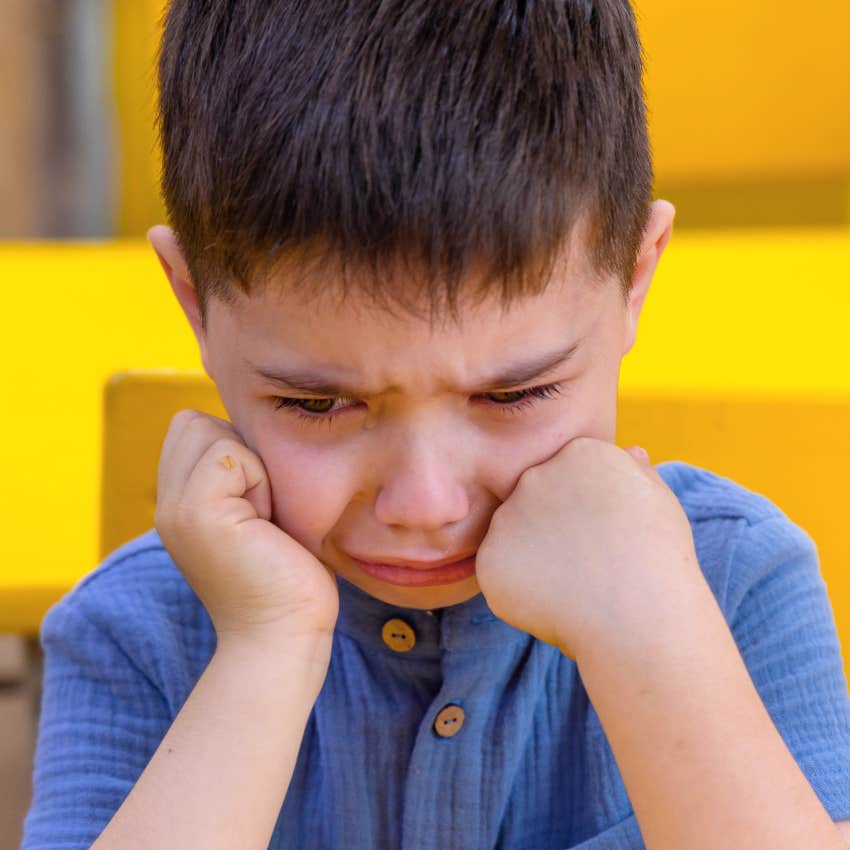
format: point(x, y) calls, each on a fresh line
point(398, 635)
point(449, 721)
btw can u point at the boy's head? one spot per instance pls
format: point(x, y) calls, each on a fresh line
point(394, 203)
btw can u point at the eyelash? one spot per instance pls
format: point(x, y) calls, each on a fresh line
point(527, 398)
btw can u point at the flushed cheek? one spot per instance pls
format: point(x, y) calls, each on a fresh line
point(587, 421)
point(309, 490)
point(313, 483)
point(601, 421)
point(591, 412)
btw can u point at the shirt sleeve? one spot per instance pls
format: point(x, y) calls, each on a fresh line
point(101, 720)
point(785, 629)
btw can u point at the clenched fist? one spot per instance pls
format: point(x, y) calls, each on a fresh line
point(213, 515)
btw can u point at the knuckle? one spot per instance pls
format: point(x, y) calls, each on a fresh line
point(181, 423)
point(528, 477)
point(529, 472)
point(225, 444)
point(185, 417)
point(205, 423)
point(200, 424)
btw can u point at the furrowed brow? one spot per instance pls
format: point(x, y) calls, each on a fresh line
point(510, 376)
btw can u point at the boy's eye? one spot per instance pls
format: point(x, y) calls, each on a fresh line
point(516, 400)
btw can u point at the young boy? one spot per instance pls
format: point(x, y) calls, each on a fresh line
point(411, 595)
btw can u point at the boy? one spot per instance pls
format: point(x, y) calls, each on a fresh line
point(411, 595)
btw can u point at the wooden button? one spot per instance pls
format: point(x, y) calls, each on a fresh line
point(449, 721)
point(398, 635)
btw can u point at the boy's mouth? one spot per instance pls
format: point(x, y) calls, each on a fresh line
point(419, 574)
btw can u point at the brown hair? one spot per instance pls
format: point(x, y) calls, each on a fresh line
point(435, 132)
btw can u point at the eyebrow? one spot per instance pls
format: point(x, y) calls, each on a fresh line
point(512, 375)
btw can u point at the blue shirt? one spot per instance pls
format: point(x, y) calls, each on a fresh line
point(478, 737)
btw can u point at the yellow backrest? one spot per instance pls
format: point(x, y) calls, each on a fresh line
point(806, 482)
point(138, 406)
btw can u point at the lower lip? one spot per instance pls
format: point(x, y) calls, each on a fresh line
point(409, 577)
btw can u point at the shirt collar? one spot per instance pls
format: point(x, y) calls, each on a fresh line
point(467, 625)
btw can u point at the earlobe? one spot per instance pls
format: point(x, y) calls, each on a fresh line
point(165, 245)
point(656, 236)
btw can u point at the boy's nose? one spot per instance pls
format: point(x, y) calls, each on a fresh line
point(423, 499)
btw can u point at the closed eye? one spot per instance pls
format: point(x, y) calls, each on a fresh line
point(520, 399)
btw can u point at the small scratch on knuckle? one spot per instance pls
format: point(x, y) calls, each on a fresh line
point(227, 462)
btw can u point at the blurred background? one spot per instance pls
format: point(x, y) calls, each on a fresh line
point(750, 128)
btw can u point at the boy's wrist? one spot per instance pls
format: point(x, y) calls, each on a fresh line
point(275, 652)
point(651, 634)
point(637, 627)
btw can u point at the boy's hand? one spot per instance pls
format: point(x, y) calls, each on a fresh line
point(213, 515)
point(591, 545)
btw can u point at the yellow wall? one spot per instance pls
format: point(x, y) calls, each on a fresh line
point(80, 312)
point(747, 90)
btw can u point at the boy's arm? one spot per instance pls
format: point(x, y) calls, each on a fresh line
point(219, 777)
point(702, 761)
point(221, 772)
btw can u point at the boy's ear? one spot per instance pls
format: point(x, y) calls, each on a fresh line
point(657, 234)
point(164, 242)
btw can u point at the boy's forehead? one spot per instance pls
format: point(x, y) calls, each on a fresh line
point(338, 349)
point(277, 312)
point(354, 345)
point(311, 293)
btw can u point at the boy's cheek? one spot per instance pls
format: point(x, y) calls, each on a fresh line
point(308, 493)
point(320, 493)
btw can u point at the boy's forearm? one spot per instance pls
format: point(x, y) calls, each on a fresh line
point(219, 776)
point(701, 759)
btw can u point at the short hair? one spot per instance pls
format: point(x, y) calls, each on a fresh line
point(448, 136)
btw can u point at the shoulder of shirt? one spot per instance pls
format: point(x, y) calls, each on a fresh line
point(138, 582)
point(143, 560)
point(741, 537)
point(705, 495)
point(136, 616)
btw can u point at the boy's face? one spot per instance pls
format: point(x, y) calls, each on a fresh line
point(415, 462)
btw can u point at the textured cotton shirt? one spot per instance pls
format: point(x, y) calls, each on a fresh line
point(445, 730)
